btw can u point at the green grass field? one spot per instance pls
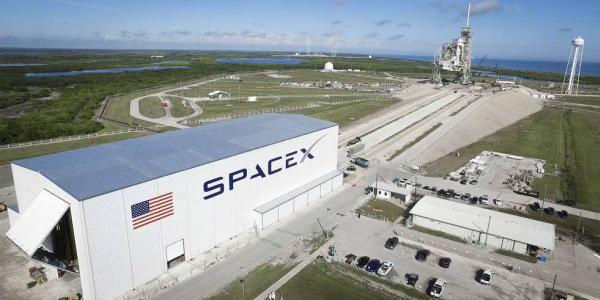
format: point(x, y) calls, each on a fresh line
point(178, 110)
point(252, 88)
point(255, 282)
point(321, 280)
point(381, 210)
point(581, 100)
point(347, 113)
point(438, 234)
point(8, 155)
point(151, 107)
point(568, 141)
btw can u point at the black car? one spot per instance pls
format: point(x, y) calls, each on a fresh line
point(563, 214)
point(464, 181)
point(373, 266)
point(474, 200)
point(535, 206)
point(549, 210)
point(441, 192)
point(418, 185)
point(568, 202)
point(362, 261)
point(391, 243)
point(434, 189)
point(411, 278)
point(450, 193)
point(445, 262)
point(422, 255)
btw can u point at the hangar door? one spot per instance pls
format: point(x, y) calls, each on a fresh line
point(36, 223)
point(175, 253)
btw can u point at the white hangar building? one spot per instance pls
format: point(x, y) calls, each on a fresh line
point(123, 211)
point(483, 226)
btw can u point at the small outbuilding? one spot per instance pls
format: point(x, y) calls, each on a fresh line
point(385, 190)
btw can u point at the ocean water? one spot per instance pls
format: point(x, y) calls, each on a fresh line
point(587, 68)
point(105, 71)
point(261, 60)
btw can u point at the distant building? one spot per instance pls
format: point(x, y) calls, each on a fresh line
point(482, 226)
point(219, 95)
point(251, 99)
point(157, 56)
point(328, 67)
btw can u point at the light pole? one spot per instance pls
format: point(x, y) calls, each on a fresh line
point(243, 289)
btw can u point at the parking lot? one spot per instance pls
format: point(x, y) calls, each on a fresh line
point(460, 276)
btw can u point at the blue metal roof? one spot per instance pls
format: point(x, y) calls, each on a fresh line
point(93, 171)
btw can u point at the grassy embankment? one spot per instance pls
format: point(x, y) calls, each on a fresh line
point(567, 140)
point(321, 280)
point(381, 210)
point(255, 282)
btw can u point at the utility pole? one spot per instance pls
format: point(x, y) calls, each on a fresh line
point(553, 287)
point(320, 225)
point(578, 223)
point(487, 231)
point(243, 289)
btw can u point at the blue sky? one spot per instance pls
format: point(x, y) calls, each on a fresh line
point(502, 28)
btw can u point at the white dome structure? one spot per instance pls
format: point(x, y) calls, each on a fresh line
point(328, 67)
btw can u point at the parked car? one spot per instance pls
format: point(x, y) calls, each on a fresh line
point(535, 206)
point(396, 179)
point(563, 214)
point(474, 200)
point(473, 182)
point(568, 202)
point(441, 192)
point(351, 168)
point(466, 196)
point(484, 200)
point(437, 287)
point(362, 261)
point(350, 258)
point(385, 268)
point(426, 188)
point(418, 185)
point(484, 276)
point(445, 262)
point(434, 189)
point(464, 181)
point(391, 243)
point(458, 196)
point(373, 265)
point(497, 202)
point(549, 210)
point(422, 255)
point(411, 278)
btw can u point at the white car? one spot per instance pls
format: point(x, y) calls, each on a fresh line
point(385, 268)
point(485, 277)
point(437, 288)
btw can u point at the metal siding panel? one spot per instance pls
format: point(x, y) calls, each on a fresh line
point(146, 248)
point(107, 243)
point(27, 185)
point(200, 217)
point(174, 228)
point(286, 209)
point(269, 218)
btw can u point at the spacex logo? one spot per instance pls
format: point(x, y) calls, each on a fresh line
point(219, 185)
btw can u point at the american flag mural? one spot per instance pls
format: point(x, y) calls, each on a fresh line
point(152, 210)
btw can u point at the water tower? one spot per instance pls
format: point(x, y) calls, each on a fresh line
point(573, 66)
